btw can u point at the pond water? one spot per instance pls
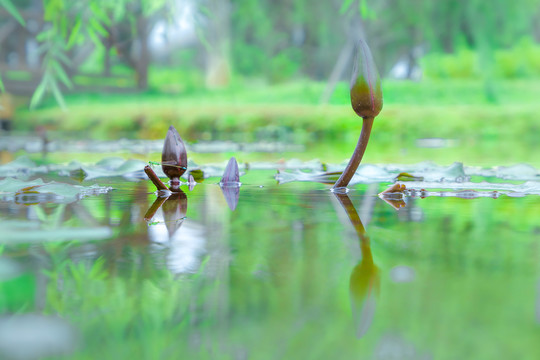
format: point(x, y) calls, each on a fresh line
point(266, 271)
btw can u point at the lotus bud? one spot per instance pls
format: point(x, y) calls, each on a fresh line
point(230, 183)
point(366, 100)
point(231, 173)
point(366, 91)
point(174, 155)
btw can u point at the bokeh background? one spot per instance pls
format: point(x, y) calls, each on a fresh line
point(93, 265)
point(460, 78)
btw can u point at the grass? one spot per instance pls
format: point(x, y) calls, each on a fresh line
point(501, 133)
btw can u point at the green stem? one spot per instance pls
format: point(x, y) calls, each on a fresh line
point(357, 155)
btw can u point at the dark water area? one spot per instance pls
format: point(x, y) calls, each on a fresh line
point(294, 271)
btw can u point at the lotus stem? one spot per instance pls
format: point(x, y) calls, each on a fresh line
point(356, 157)
point(155, 179)
point(349, 208)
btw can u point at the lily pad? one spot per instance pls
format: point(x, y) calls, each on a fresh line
point(37, 191)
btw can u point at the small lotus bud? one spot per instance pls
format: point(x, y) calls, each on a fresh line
point(231, 173)
point(366, 92)
point(230, 183)
point(173, 156)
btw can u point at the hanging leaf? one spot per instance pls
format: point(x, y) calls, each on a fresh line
point(174, 155)
point(10, 8)
point(73, 37)
point(38, 94)
point(61, 74)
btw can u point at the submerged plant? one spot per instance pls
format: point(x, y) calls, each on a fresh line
point(366, 100)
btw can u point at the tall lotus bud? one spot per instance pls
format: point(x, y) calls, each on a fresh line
point(173, 156)
point(366, 92)
point(366, 100)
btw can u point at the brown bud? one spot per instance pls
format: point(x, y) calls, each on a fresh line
point(173, 156)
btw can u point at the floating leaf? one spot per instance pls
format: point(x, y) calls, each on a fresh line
point(394, 189)
point(404, 176)
point(174, 155)
point(394, 196)
point(487, 188)
point(111, 167)
point(197, 175)
point(36, 191)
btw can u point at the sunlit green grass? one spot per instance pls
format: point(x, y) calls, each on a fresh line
point(483, 132)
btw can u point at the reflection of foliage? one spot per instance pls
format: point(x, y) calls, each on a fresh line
point(287, 261)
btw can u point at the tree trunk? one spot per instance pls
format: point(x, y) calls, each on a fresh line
point(144, 57)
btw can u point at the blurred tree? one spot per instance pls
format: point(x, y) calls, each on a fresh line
point(71, 30)
point(271, 39)
point(217, 36)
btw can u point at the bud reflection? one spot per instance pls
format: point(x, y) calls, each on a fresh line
point(184, 249)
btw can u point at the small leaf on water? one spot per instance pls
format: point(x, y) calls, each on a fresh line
point(197, 175)
point(366, 91)
point(403, 176)
point(174, 155)
point(394, 189)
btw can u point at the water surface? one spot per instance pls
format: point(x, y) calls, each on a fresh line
point(293, 272)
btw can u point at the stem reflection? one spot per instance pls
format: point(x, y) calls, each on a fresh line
point(365, 279)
